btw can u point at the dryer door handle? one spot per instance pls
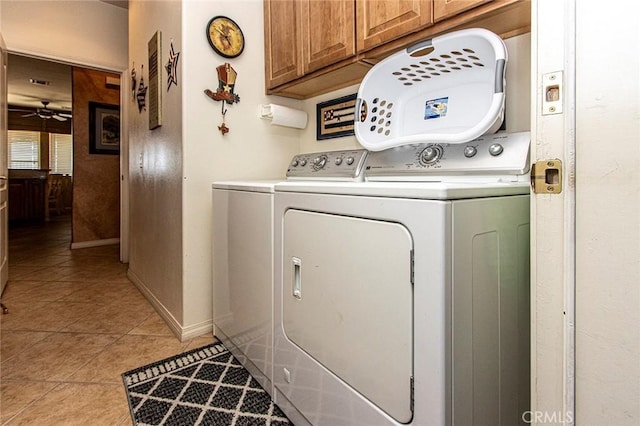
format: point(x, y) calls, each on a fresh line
point(297, 278)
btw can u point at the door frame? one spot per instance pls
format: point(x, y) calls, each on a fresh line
point(125, 87)
point(553, 248)
point(4, 172)
point(124, 141)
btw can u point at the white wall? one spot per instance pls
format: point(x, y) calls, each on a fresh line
point(608, 213)
point(252, 149)
point(518, 102)
point(155, 257)
point(87, 32)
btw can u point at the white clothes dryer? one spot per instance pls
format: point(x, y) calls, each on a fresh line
point(243, 273)
point(404, 299)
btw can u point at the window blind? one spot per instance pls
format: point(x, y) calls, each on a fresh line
point(61, 154)
point(24, 149)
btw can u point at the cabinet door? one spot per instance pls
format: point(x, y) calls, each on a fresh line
point(35, 198)
point(445, 8)
point(283, 41)
point(379, 21)
point(329, 29)
point(17, 200)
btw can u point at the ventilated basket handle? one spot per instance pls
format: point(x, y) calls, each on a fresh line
point(421, 48)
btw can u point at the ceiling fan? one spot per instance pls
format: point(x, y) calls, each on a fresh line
point(46, 113)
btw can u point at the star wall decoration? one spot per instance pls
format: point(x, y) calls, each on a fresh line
point(134, 81)
point(141, 96)
point(172, 67)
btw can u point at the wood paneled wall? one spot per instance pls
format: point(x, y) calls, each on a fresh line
point(96, 177)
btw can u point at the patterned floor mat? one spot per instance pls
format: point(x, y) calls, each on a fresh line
point(204, 386)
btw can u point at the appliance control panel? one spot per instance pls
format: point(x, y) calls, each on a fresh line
point(496, 154)
point(346, 165)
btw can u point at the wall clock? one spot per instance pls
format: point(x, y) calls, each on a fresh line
point(225, 36)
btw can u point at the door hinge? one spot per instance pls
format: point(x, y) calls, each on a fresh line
point(546, 177)
point(412, 267)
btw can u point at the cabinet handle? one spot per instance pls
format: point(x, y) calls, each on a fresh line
point(3, 178)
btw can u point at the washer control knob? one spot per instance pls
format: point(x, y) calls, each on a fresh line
point(470, 151)
point(495, 149)
point(319, 162)
point(350, 160)
point(431, 154)
point(338, 161)
point(303, 162)
point(294, 163)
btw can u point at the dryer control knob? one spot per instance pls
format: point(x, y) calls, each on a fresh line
point(350, 160)
point(495, 149)
point(470, 151)
point(294, 163)
point(338, 161)
point(319, 162)
point(430, 154)
point(303, 162)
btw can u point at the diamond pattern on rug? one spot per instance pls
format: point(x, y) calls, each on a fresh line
point(204, 386)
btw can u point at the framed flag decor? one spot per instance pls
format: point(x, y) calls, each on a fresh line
point(335, 118)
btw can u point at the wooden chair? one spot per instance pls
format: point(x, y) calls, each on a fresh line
point(54, 195)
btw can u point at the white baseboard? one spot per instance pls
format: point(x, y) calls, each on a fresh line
point(196, 330)
point(182, 333)
point(95, 243)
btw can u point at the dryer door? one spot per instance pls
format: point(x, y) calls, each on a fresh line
point(347, 302)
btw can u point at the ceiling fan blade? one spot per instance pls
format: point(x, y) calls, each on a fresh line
point(65, 115)
point(59, 118)
point(30, 115)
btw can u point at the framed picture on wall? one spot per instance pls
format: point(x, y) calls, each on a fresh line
point(335, 118)
point(104, 128)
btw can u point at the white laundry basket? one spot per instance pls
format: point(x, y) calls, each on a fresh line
point(448, 89)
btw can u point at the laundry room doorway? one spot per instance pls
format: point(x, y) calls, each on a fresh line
point(73, 114)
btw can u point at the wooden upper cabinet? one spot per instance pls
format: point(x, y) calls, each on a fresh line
point(305, 35)
point(380, 21)
point(329, 32)
point(316, 46)
point(443, 9)
point(283, 41)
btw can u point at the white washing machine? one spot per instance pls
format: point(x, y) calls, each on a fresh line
point(243, 273)
point(243, 261)
point(404, 299)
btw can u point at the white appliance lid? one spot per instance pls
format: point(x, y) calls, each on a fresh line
point(252, 186)
point(415, 190)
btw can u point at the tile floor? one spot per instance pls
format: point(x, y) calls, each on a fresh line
point(75, 324)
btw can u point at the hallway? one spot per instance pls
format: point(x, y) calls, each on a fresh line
point(75, 324)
